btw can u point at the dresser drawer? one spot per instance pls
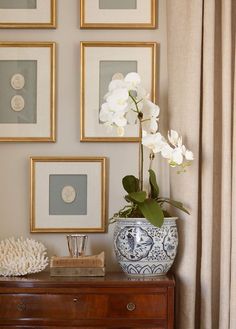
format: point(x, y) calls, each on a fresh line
point(58, 306)
point(82, 306)
point(116, 301)
point(78, 327)
point(138, 306)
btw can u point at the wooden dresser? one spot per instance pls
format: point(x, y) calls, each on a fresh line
point(114, 301)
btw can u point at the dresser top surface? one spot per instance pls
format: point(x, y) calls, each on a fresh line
point(110, 279)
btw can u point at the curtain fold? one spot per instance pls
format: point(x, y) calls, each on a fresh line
point(201, 102)
point(233, 237)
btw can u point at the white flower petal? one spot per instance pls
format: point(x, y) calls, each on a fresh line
point(153, 125)
point(173, 137)
point(116, 84)
point(132, 80)
point(153, 141)
point(154, 109)
point(179, 143)
point(167, 151)
point(120, 120)
point(189, 155)
point(142, 93)
point(177, 156)
point(183, 148)
point(118, 100)
point(105, 113)
point(144, 133)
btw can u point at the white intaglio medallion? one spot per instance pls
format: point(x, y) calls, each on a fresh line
point(17, 81)
point(68, 194)
point(117, 76)
point(17, 103)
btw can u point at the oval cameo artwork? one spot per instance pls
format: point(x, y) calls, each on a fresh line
point(117, 76)
point(68, 194)
point(17, 81)
point(17, 103)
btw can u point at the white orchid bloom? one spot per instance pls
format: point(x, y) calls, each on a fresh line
point(151, 112)
point(155, 111)
point(177, 156)
point(142, 94)
point(167, 151)
point(116, 84)
point(155, 142)
point(132, 80)
point(180, 150)
point(110, 118)
point(153, 125)
point(189, 155)
point(174, 155)
point(118, 100)
point(106, 115)
point(119, 119)
point(174, 138)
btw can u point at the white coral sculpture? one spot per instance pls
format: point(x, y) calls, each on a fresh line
point(22, 256)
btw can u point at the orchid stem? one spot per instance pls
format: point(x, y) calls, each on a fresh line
point(151, 157)
point(140, 156)
point(140, 117)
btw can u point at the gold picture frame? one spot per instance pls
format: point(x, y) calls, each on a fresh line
point(27, 100)
point(42, 16)
point(143, 15)
point(68, 194)
point(140, 56)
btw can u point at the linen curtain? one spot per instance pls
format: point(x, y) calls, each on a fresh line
point(202, 107)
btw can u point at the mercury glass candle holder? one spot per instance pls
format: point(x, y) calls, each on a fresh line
point(77, 244)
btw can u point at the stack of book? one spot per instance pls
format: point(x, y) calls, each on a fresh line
point(93, 265)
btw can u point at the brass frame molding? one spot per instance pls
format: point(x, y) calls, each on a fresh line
point(53, 212)
point(144, 16)
point(92, 55)
point(17, 127)
point(13, 18)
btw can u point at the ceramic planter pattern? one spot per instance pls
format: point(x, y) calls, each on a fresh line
point(143, 249)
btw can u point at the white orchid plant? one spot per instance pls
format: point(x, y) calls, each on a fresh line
point(127, 102)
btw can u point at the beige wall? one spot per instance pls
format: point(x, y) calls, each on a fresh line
point(14, 164)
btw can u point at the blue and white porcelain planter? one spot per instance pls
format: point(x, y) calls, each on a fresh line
point(143, 249)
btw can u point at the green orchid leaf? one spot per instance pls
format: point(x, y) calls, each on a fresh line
point(179, 205)
point(152, 211)
point(176, 204)
point(130, 183)
point(127, 198)
point(137, 196)
point(153, 183)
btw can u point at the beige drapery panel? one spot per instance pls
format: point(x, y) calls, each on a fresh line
point(202, 107)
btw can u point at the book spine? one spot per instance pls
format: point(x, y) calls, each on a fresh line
point(78, 271)
point(76, 263)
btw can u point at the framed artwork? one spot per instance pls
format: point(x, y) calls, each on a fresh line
point(27, 14)
point(27, 91)
point(68, 194)
point(100, 61)
point(118, 14)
